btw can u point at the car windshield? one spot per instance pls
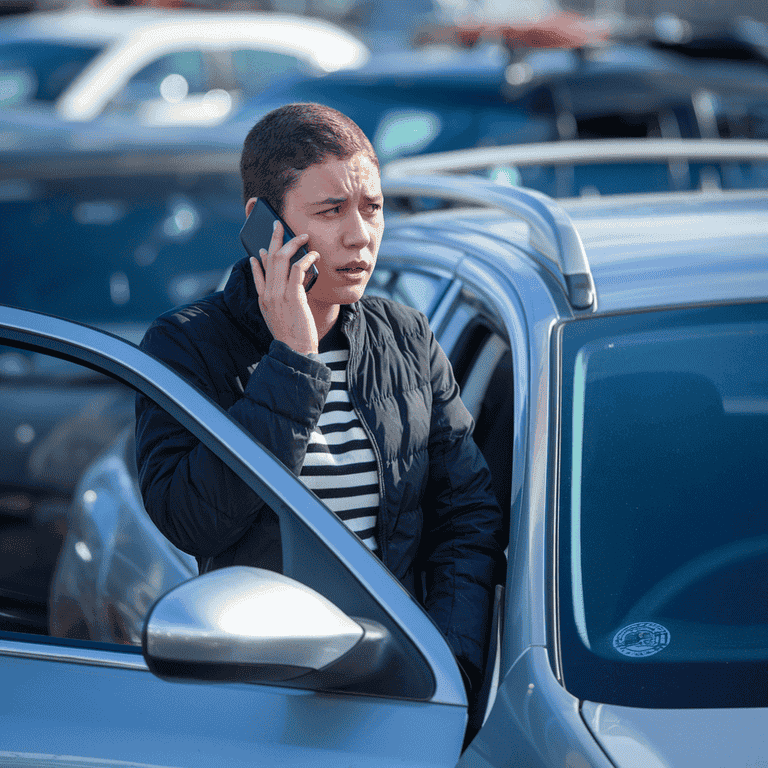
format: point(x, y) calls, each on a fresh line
point(663, 531)
point(117, 249)
point(40, 70)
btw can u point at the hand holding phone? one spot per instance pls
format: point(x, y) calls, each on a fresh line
point(257, 234)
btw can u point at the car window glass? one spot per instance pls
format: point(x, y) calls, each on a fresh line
point(509, 124)
point(117, 249)
point(56, 418)
point(416, 289)
point(191, 65)
point(479, 351)
point(82, 560)
point(662, 499)
point(255, 70)
point(40, 70)
point(405, 131)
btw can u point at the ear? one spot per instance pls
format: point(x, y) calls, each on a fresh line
point(249, 206)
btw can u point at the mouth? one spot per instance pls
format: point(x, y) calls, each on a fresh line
point(355, 268)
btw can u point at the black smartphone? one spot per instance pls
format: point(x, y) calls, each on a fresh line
point(257, 233)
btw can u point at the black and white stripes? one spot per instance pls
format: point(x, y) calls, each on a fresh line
point(340, 465)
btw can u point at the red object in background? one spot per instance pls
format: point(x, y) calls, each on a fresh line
point(207, 5)
point(560, 30)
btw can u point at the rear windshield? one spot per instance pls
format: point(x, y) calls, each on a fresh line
point(663, 529)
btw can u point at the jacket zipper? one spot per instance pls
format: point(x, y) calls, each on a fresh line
point(352, 380)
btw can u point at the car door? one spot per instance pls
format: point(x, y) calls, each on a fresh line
point(79, 702)
point(480, 330)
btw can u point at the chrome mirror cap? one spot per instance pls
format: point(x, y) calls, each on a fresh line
point(245, 624)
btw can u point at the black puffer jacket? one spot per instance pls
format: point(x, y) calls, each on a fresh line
point(437, 513)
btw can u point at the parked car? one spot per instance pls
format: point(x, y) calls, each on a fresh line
point(612, 353)
point(159, 66)
point(111, 237)
point(427, 101)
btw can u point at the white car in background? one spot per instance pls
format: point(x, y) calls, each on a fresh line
point(160, 67)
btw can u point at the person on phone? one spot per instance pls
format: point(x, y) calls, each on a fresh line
point(352, 393)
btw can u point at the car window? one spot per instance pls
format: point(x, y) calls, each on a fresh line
point(116, 249)
point(417, 289)
point(191, 65)
point(405, 131)
point(56, 418)
point(478, 347)
point(254, 70)
point(663, 532)
point(40, 70)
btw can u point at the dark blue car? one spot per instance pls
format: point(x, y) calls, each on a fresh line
point(436, 100)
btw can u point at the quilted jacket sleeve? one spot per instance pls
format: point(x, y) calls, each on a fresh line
point(198, 503)
point(463, 547)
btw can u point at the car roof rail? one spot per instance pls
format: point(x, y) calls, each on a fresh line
point(552, 233)
point(580, 152)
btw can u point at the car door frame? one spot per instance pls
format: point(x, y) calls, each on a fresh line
point(530, 715)
point(444, 712)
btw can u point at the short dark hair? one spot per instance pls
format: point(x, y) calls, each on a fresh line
point(289, 139)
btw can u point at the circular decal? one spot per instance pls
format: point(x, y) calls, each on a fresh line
point(643, 638)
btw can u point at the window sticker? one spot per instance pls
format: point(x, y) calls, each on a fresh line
point(643, 638)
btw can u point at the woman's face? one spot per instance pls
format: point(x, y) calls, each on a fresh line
point(338, 203)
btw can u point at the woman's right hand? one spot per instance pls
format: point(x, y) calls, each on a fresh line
point(282, 298)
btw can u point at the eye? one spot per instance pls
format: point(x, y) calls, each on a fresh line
point(335, 210)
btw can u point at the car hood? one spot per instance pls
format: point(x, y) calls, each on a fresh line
point(664, 738)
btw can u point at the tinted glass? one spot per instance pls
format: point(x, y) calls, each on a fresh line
point(254, 70)
point(116, 249)
point(416, 289)
point(663, 525)
point(41, 69)
point(189, 64)
point(53, 422)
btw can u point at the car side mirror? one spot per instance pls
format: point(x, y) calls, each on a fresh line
point(242, 624)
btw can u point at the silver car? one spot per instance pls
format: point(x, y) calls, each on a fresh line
point(614, 353)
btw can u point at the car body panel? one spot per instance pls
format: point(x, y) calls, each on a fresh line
point(632, 270)
point(656, 738)
point(532, 702)
point(62, 712)
point(645, 250)
point(113, 564)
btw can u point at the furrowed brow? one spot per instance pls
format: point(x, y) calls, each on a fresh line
point(330, 201)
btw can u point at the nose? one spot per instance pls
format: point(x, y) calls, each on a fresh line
point(356, 233)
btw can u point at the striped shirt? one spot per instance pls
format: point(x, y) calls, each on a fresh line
point(340, 465)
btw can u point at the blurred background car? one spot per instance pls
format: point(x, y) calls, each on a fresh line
point(158, 66)
point(437, 100)
point(111, 239)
